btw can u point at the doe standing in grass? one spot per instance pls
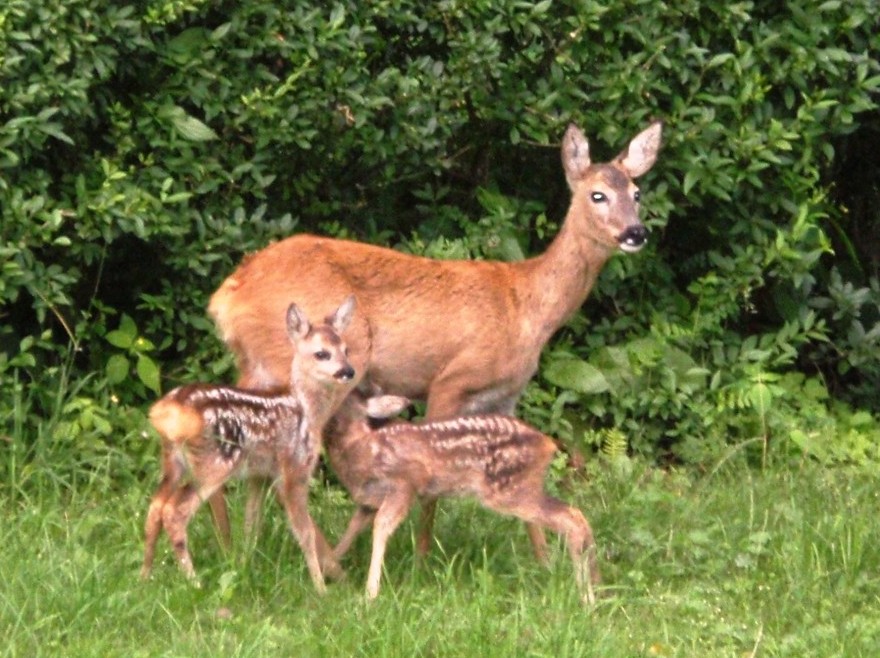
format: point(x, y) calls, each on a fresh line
point(464, 335)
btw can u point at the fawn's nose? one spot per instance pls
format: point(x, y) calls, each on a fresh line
point(345, 374)
point(633, 238)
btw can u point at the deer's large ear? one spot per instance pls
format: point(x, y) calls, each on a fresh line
point(641, 154)
point(575, 155)
point(342, 316)
point(297, 323)
point(386, 406)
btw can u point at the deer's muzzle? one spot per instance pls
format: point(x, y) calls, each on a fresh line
point(345, 374)
point(633, 238)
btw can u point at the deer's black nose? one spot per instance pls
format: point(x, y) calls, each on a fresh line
point(345, 373)
point(633, 238)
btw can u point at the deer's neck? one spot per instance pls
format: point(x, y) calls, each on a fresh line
point(317, 404)
point(558, 281)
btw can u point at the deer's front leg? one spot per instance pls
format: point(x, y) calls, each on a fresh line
point(389, 516)
point(294, 493)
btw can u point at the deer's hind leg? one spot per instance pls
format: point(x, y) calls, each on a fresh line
point(209, 477)
point(359, 521)
point(569, 522)
point(220, 515)
point(172, 474)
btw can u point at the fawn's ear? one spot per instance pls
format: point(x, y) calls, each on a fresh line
point(342, 316)
point(386, 406)
point(297, 323)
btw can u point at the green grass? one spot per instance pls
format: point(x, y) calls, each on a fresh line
point(740, 563)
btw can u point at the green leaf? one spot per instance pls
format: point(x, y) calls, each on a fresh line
point(148, 373)
point(760, 397)
point(117, 369)
point(192, 129)
point(337, 17)
point(690, 179)
point(188, 44)
point(186, 125)
point(510, 249)
point(719, 59)
point(55, 131)
point(541, 7)
point(142, 344)
point(576, 375)
point(119, 338)
point(125, 336)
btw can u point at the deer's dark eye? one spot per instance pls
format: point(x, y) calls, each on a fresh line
point(322, 355)
point(637, 196)
point(598, 197)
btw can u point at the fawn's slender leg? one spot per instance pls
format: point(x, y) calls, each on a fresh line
point(388, 517)
point(582, 549)
point(359, 521)
point(253, 510)
point(565, 520)
point(172, 474)
point(153, 526)
point(539, 543)
point(220, 514)
point(425, 535)
point(426, 532)
point(330, 566)
point(294, 493)
point(177, 515)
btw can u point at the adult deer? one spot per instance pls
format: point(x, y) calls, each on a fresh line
point(463, 335)
point(211, 433)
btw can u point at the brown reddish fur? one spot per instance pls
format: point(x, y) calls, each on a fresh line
point(499, 460)
point(211, 433)
point(464, 335)
point(175, 422)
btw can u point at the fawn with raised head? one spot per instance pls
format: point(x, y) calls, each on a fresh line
point(210, 433)
point(464, 335)
point(497, 459)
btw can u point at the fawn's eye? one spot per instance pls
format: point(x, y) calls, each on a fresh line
point(598, 197)
point(322, 355)
point(637, 196)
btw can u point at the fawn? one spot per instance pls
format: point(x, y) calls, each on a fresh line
point(215, 432)
point(497, 459)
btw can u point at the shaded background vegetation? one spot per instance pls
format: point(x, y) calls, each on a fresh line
point(145, 147)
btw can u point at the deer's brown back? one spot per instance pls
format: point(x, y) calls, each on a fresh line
point(471, 454)
point(239, 422)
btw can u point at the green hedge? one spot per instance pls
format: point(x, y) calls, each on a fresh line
point(144, 148)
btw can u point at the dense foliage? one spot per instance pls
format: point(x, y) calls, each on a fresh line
point(145, 147)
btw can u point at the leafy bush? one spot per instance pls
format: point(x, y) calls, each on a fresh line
point(145, 147)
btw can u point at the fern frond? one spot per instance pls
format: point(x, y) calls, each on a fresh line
point(614, 444)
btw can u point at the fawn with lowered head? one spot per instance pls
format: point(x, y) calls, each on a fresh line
point(464, 335)
point(211, 433)
point(497, 459)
